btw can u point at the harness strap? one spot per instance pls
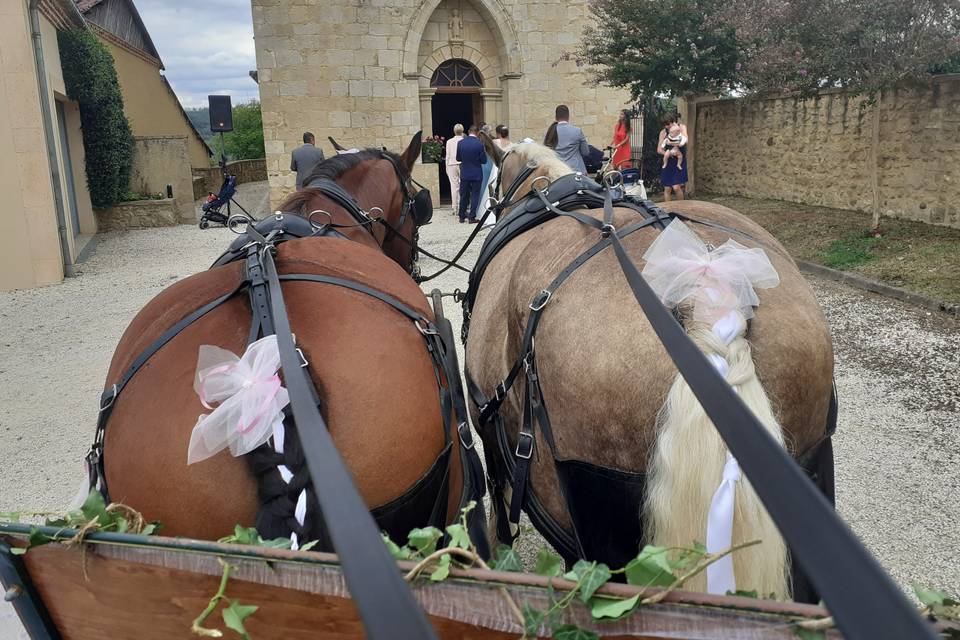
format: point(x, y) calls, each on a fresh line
point(259, 303)
point(452, 262)
point(490, 407)
point(340, 196)
point(108, 398)
point(385, 603)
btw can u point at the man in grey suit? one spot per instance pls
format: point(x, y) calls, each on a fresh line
point(571, 143)
point(305, 158)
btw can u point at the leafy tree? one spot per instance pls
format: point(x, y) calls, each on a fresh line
point(246, 140)
point(661, 47)
point(678, 47)
point(91, 79)
point(859, 45)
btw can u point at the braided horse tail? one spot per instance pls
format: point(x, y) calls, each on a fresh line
point(688, 463)
point(288, 504)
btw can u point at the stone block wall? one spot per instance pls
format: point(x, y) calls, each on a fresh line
point(900, 154)
point(208, 180)
point(139, 214)
point(360, 72)
point(159, 161)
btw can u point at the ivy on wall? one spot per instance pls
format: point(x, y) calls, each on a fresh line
point(91, 80)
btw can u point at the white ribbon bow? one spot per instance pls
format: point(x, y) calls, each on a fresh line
point(250, 394)
point(717, 281)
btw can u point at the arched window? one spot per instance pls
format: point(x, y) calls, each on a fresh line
point(456, 73)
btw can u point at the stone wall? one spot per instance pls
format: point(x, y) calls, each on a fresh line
point(139, 214)
point(208, 180)
point(360, 72)
point(900, 154)
point(159, 161)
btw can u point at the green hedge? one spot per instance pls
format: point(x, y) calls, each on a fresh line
point(91, 80)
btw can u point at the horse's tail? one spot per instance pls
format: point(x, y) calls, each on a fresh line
point(687, 466)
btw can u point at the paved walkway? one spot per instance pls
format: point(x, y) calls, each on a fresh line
point(897, 447)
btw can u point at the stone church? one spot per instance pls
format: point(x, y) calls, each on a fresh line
point(373, 72)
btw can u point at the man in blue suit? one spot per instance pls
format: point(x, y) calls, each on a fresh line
point(471, 155)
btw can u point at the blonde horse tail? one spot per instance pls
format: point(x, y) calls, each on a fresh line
point(687, 465)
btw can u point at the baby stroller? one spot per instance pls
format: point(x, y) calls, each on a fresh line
point(632, 180)
point(212, 207)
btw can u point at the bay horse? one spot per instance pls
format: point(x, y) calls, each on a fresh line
point(636, 451)
point(376, 379)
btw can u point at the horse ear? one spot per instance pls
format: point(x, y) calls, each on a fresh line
point(412, 152)
point(336, 146)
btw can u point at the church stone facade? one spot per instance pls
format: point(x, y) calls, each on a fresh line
point(374, 72)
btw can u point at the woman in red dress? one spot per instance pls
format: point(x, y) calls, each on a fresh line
point(621, 141)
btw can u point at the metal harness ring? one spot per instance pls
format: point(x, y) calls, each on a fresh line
point(545, 190)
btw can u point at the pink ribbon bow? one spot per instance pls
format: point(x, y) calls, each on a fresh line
point(250, 396)
point(681, 267)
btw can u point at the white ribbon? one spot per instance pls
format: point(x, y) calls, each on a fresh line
point(250, 396)
point(720, 577)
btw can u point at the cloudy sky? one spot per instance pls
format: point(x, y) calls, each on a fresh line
point(206, 47)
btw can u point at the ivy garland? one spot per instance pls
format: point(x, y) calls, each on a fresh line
point(91, 79)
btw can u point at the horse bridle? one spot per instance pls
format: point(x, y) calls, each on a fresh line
point(364, 218)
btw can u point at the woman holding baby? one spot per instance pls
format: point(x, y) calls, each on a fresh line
point(672, 145)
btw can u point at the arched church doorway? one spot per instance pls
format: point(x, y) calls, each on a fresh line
point(457, 100)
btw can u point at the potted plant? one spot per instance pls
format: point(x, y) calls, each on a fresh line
point(432, 149)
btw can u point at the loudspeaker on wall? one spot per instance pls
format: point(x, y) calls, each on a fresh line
point(221, 114)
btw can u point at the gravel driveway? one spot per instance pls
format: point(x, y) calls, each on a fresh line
point(897, 446)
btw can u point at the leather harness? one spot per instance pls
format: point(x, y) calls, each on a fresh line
point(386, 604)
point(604, 503)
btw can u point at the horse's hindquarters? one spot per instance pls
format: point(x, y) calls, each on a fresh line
point(603, 371)
point(376, 380)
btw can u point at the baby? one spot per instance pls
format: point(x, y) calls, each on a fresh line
point(671, 145)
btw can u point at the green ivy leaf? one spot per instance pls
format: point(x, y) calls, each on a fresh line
point(506, 559)
point(37, 539)
point(934, 597)
point(18, 551)
point(532, 621)
point(442, 570)
point(808, 634)
point(686, 558)
point(94, 507)
point(150, 529)
point(604, 607)
point(276, 543)
point(398, 552)
point(573, 632)
point(650, 568)
point(235, 614)
point(243, 535)
point(591, 576)
point(548, 563)
point(458, 536)
point(309, 545)
point(425, 540)
point(10, 516)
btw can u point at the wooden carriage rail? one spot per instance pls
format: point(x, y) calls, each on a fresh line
point(158, 584)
